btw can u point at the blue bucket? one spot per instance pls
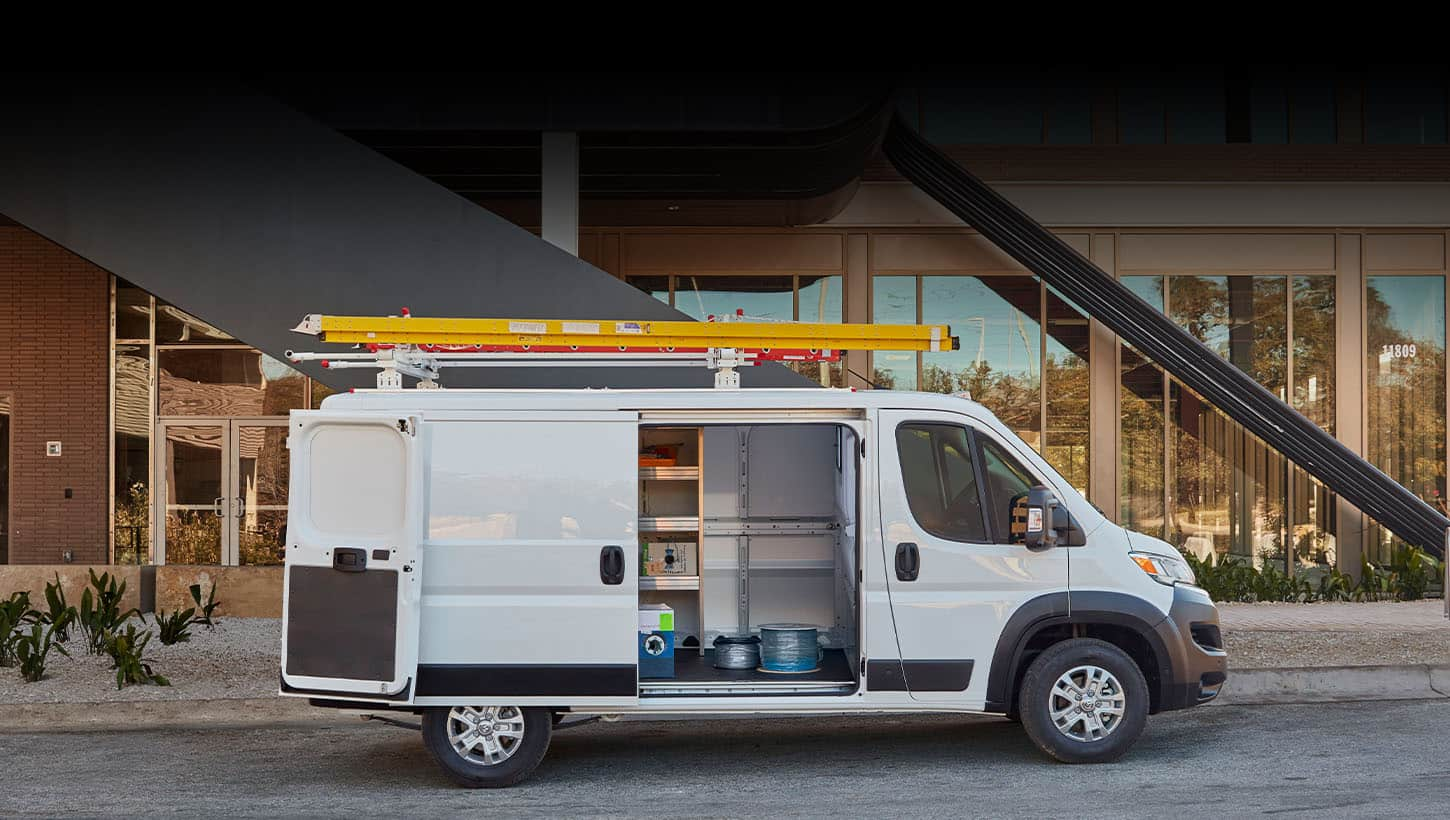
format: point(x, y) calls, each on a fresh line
point(789, 649)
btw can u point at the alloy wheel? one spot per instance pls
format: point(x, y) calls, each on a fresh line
point(1087, 703)
point(485, 736)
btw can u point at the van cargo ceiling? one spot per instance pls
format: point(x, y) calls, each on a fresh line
point(1160, 339)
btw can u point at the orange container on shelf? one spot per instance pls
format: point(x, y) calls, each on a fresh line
point(659, 455)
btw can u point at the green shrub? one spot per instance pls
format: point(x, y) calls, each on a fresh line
point(176, 627)
point(32, 648)
point(1335, 586)
point(208, 606)
point(1229, 578)
point(127, 649)
point(1226, 578)
point(1374, 582)
point(1412, 570)
point(15, 612)
point(59, 615)
point(100, 613)
point(1274, 584)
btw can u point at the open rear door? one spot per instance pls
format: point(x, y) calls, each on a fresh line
point(353, 573)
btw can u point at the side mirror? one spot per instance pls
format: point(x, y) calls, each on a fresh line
point(1038, 508)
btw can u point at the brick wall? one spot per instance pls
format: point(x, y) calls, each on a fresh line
point(54, 354)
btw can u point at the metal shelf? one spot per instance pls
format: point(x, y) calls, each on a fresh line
point(671, 523)
point(667, 582)
point(669, 473)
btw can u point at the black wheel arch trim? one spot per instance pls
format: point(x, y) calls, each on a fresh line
point(1087, 607)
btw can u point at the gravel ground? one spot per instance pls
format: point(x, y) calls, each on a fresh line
point(1262, 649)
point(237, 659)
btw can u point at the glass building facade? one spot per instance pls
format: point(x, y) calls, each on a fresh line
point(1181, 470)
point(200, 464)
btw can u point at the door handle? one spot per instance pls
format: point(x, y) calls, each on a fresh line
point(611, 565)
point(908, 561)
point(216, 507)
point(241, 507)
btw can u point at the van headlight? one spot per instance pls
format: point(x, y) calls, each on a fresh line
point(1164, 569)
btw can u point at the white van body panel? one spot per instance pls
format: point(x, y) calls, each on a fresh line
point(1105, 566)
point(966, 592)
point(520, 506)
point(357, 484)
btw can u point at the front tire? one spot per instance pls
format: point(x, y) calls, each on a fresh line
point(1084, 701)
point(487, 747)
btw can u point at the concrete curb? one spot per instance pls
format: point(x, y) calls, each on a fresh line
point(1335, 683)
point(1245, 687)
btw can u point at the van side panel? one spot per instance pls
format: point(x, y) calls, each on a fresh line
point(514, 597)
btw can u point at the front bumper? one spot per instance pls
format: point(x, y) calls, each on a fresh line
point(1194, 641)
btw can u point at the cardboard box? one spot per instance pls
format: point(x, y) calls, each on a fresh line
point(666, 558)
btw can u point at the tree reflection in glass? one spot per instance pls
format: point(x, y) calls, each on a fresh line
point(1405, 376)
point(997, 319)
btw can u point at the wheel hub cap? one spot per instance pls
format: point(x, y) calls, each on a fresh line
point(485, 736)
point(1087, 703)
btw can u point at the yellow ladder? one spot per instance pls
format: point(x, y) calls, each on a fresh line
point(419, 347)
point(624, 335)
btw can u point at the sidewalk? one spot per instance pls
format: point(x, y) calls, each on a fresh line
point(1278, 653)
point(1411, 616)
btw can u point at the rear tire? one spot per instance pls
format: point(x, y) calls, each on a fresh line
point(487, 747)
point(1083, 701)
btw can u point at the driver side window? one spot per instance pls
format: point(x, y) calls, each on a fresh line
point(940, 478)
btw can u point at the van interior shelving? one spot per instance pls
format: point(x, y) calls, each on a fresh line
point(766, 515)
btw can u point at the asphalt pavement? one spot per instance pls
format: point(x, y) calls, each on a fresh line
point(1344, 759)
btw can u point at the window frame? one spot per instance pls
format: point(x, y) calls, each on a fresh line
point(1001, 529)
point(994, 527)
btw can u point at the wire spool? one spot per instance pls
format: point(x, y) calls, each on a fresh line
point(737, 652)
point(790, 649)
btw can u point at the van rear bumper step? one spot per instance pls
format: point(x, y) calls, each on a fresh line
point(1146, 328)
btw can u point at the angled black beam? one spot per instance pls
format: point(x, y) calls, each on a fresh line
point(1160, 339)
point(248, 214)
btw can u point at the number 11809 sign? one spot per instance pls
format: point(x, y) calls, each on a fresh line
point(1408, 351)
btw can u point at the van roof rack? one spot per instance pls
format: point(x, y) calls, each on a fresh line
point(405, 345)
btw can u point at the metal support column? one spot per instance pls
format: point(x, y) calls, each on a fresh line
point(560, 190)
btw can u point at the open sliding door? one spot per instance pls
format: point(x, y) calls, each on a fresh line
point(531, 579)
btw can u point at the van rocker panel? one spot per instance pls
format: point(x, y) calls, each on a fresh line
point(534, 680)
point(918, 675)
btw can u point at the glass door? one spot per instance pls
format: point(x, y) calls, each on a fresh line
point(223, 491)
point(259, 471)
point(192, 502)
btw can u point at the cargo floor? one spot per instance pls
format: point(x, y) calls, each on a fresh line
point(694, 669)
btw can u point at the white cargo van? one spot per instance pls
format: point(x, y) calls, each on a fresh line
point(474, 556)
